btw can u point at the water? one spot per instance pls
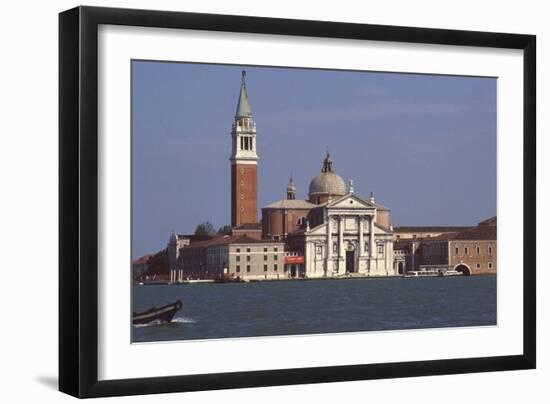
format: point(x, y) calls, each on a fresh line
point(317, 306)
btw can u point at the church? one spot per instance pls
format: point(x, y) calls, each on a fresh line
point(332, 233)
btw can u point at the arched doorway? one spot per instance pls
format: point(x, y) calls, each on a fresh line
point(400, 268)
point(464, 269)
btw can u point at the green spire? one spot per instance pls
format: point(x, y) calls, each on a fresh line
point(243, 108)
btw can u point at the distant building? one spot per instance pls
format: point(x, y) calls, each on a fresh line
point(471, 251)
point(177, 241)
point(408, 240)
point(233, 257)
point(141, 265)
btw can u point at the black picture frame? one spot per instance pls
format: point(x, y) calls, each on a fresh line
point(78, 201)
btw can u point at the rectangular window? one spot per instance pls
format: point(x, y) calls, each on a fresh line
point(275, 257)
point(248, 250)
point(465, 250)
point(265, 257)
point(456, 250)
point(248, 258)
point(265, 249)
point(275, 267)
point(265, 268)
point(478, 266)
point(490, 250)
point(248, 268)
point(238, 258)
point(238, 250)
point(490, 265)
point(238, 268)
point(381, 249)
point(478, 250)
point(275, 249)
point(242, 143)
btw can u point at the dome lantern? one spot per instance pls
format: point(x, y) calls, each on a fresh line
point(327, 184)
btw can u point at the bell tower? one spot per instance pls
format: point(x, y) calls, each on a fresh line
point(244, 163)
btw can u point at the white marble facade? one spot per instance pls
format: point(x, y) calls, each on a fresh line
point(349, 242)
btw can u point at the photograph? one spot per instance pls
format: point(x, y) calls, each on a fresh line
point(271, 201)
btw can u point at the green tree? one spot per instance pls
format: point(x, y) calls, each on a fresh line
point(205, 229)
point(225, 230)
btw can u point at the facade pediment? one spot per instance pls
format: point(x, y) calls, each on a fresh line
point(350, 201)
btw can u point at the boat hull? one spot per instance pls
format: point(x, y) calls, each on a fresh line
point(163, 314)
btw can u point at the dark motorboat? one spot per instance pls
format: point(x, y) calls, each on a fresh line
point(162, 314)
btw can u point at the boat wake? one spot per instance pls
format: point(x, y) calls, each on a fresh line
point(176, 320)
point(150, 324)
point(183, 320)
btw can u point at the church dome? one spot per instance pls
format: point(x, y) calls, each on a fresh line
point(328, 182)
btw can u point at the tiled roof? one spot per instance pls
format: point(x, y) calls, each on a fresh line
point(429, 229)
point(205, 243)
point(290, 204)
point(492, 221)
point(476, 233)
point(241, 240)
point(471, 233)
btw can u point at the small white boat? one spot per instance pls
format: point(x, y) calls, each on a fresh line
point(432, 273)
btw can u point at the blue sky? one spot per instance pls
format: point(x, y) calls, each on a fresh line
point(424, 144)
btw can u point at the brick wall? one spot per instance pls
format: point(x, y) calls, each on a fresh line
point(244, 199)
